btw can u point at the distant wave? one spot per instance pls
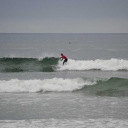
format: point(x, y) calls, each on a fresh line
point(93, 86)
point(51, 64)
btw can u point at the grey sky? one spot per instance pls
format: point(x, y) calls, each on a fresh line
point(64, 16)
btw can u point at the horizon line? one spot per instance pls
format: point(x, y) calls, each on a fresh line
point(63, 33)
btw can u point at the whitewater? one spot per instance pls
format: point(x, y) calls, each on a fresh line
point(98, 64)
point(55, 84)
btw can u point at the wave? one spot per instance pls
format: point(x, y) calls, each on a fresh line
point(51, 64)
point(37, 85)
point(27, 64)
point(108, 87)
point(88, 86)
point(98, 64)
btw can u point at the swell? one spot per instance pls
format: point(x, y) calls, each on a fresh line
point(28, 64)
point(114, 87)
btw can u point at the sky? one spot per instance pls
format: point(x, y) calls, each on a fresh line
point(63, 16)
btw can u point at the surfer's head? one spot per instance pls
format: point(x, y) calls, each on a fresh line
point(61, 54)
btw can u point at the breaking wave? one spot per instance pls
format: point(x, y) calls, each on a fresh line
point(107, 65)
point(52, 64)
point(88, 86)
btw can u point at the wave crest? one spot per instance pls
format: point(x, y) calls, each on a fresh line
point(37, 85)
point(27, 64)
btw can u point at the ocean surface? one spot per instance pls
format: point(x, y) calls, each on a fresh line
point(89, 91)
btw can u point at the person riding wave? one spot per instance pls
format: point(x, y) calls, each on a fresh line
point(64, 57)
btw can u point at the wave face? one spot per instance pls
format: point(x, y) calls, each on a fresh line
point(100, 87)
point(27, 64)
point(115, 87)
point(51, 64)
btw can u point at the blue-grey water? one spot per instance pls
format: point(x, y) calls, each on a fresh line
point(76, 46)
point(90, 90)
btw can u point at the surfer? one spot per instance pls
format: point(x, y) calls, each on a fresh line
point(64, 57)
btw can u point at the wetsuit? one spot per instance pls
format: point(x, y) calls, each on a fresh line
point(65, 59)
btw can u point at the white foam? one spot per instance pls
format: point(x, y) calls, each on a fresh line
point(40, 57)
point(37, 85)
point(44, 55)
point(65, 123)
point(110, 65)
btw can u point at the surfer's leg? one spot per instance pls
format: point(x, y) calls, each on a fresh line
point(65, 61)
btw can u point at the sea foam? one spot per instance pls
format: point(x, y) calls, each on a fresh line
point(66, 123)
point(37, 85)
point(98, 64)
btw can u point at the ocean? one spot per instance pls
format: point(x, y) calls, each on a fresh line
point(38, 91)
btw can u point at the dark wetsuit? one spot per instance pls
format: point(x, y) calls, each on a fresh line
point(65, 59)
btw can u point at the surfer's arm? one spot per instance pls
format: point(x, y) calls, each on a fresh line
point(61, 58)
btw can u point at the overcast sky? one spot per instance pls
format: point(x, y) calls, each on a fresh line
point(63, 16)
